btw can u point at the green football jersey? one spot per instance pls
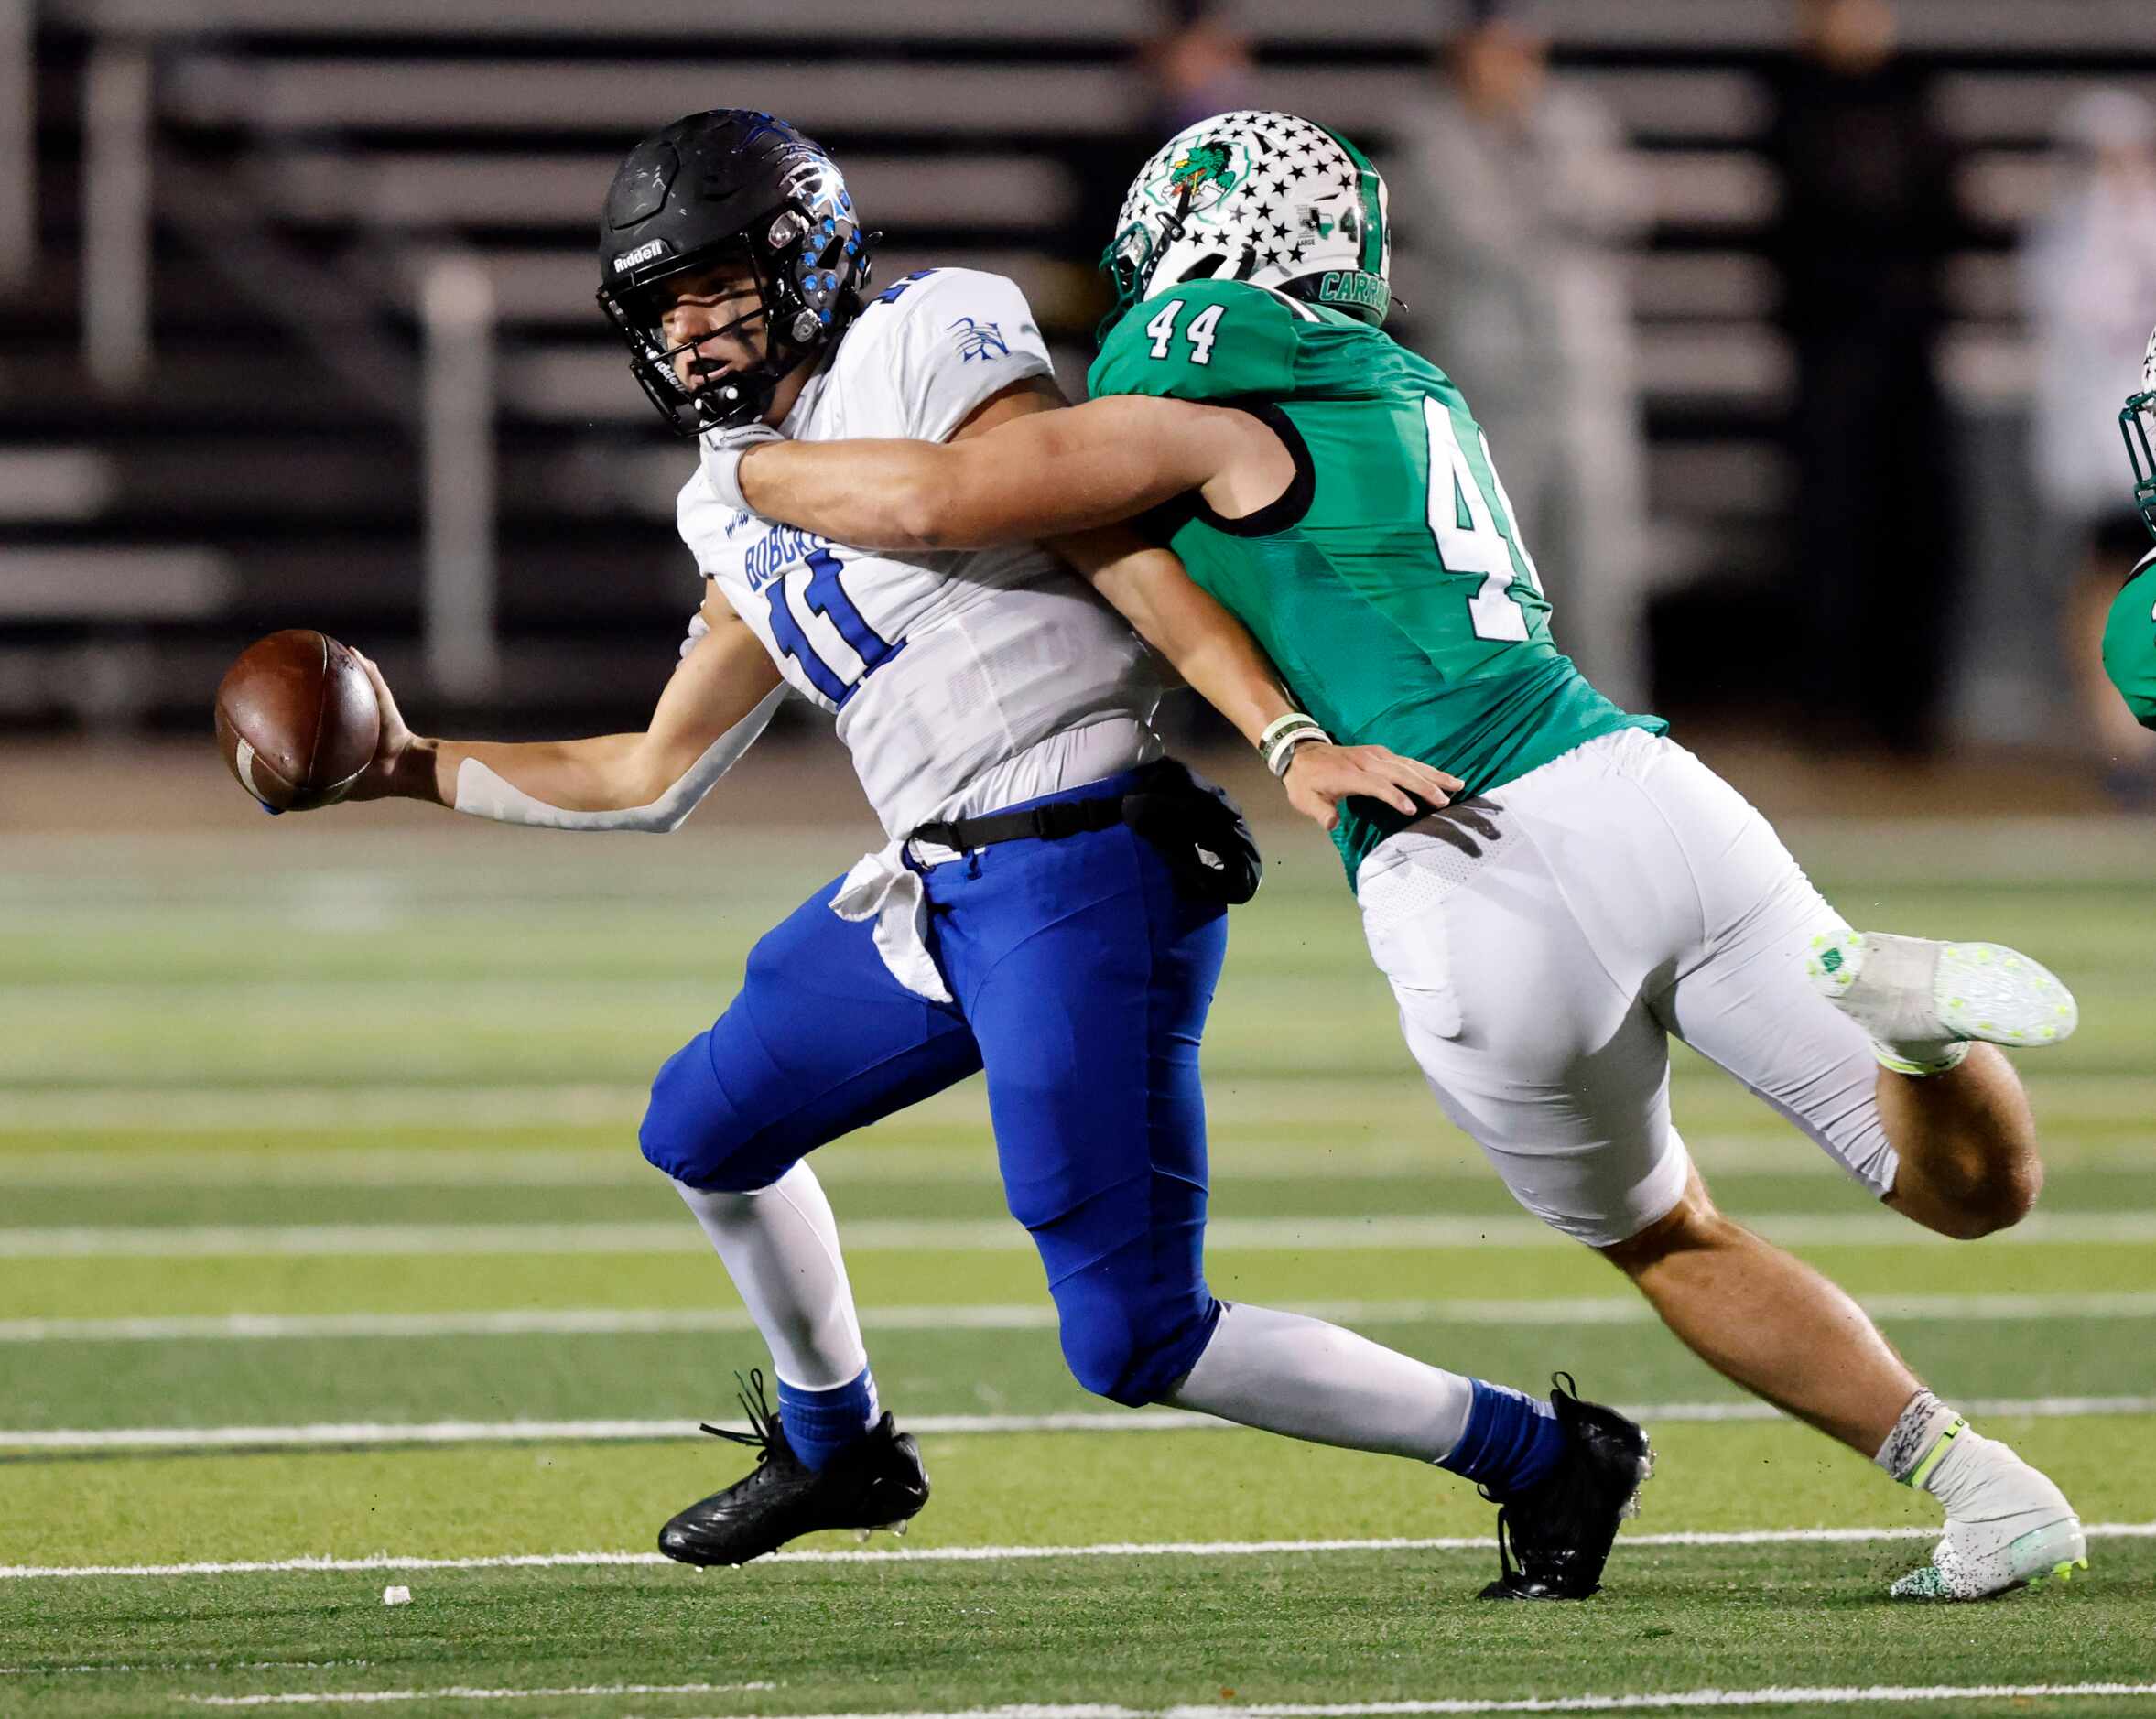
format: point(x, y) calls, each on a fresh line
point(1389, 584)
point(2130, 642)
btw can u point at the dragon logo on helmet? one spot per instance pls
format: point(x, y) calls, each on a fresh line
point(1207, 166)
point(1270, 199)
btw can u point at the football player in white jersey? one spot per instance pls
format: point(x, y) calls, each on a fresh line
point(1049, 906)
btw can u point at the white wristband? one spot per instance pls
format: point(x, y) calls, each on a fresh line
point(722, 460)
point(1280, 751)
point(1281, 724)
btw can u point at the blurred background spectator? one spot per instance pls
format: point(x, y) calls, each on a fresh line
point(1200, 64)
point(2088, 276)
point(1867, 223)
point(1196, 63)
point(1513, 206)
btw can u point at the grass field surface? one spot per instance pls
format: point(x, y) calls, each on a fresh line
point(327, 1264)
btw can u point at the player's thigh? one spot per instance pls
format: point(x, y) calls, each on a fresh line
point(1087, 977)
point(1746, 1002)
point(1088, 1023)
point(1532, 1048)
point(821, 1040)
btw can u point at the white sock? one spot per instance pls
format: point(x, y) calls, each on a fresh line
point(1934, 1450)
point(1912, 1446)
point(1302, 1378)
point(781, 1248)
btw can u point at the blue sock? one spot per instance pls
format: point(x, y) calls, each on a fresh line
point(821, 1423)
point(1512, 1440)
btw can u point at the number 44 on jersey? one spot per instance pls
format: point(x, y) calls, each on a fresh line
point(1470, 517)
point(1476, 531)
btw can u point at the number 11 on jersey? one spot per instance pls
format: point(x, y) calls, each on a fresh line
point(849, 650)
point(1476, 531)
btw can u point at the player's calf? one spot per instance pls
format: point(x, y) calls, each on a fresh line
point(1968, 1163)
point(1563, 1473)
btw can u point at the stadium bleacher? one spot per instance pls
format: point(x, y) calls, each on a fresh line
point(311, 165)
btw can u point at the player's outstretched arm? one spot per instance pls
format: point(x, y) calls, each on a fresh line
point(1035, 475)
point(713, 707)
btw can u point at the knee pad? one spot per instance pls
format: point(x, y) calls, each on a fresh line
point(1132, 1350)
point(691, 1131)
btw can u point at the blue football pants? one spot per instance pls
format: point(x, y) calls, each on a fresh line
point(1082, 978)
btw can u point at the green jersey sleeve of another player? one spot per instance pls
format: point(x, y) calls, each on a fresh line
point(2130, 642)
point(1389, 584)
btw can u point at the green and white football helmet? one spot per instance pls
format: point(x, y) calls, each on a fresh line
point(2138, 421)
point(1265, 198)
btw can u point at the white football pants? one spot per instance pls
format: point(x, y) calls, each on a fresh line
point(1544, 940)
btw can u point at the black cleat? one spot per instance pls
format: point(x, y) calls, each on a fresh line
point(1554, 1539)
point(878, 1482)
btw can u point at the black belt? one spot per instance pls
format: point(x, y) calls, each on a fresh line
point(1046, 823)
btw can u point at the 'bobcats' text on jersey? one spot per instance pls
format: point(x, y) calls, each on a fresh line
point(960, 681)
point(1389, 583)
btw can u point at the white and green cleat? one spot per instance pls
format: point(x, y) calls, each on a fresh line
point(2008, 1525)
point(1920, 1001)
point(1975, 1561)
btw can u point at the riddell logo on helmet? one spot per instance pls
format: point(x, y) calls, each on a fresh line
point(642, 253)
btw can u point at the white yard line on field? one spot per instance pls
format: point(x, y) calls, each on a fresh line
point(1000, 1554)
point(1256, 1153)
point(1275, 1149)
point(1246, 1098)
point(298, 1110)
point(333, 1432)
point(166, 1667)
point(1669, 1700)
point(368, 1696)
point(1865, 1230)
point(287, 1162)
point(569, 1322)
point(362, 1432)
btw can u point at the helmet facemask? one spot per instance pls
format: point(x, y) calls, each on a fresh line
point(1128, 264)
point(1134, 254)
point(2137, 423)
point(792, 329)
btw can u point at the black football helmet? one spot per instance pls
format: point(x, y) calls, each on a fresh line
point(730, 185)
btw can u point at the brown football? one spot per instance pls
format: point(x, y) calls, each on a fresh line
point(297, 720)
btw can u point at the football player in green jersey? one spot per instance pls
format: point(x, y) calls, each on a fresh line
point(2130, 631)
point(1596, 890)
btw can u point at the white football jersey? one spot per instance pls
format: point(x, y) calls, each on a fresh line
point(962, 681)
